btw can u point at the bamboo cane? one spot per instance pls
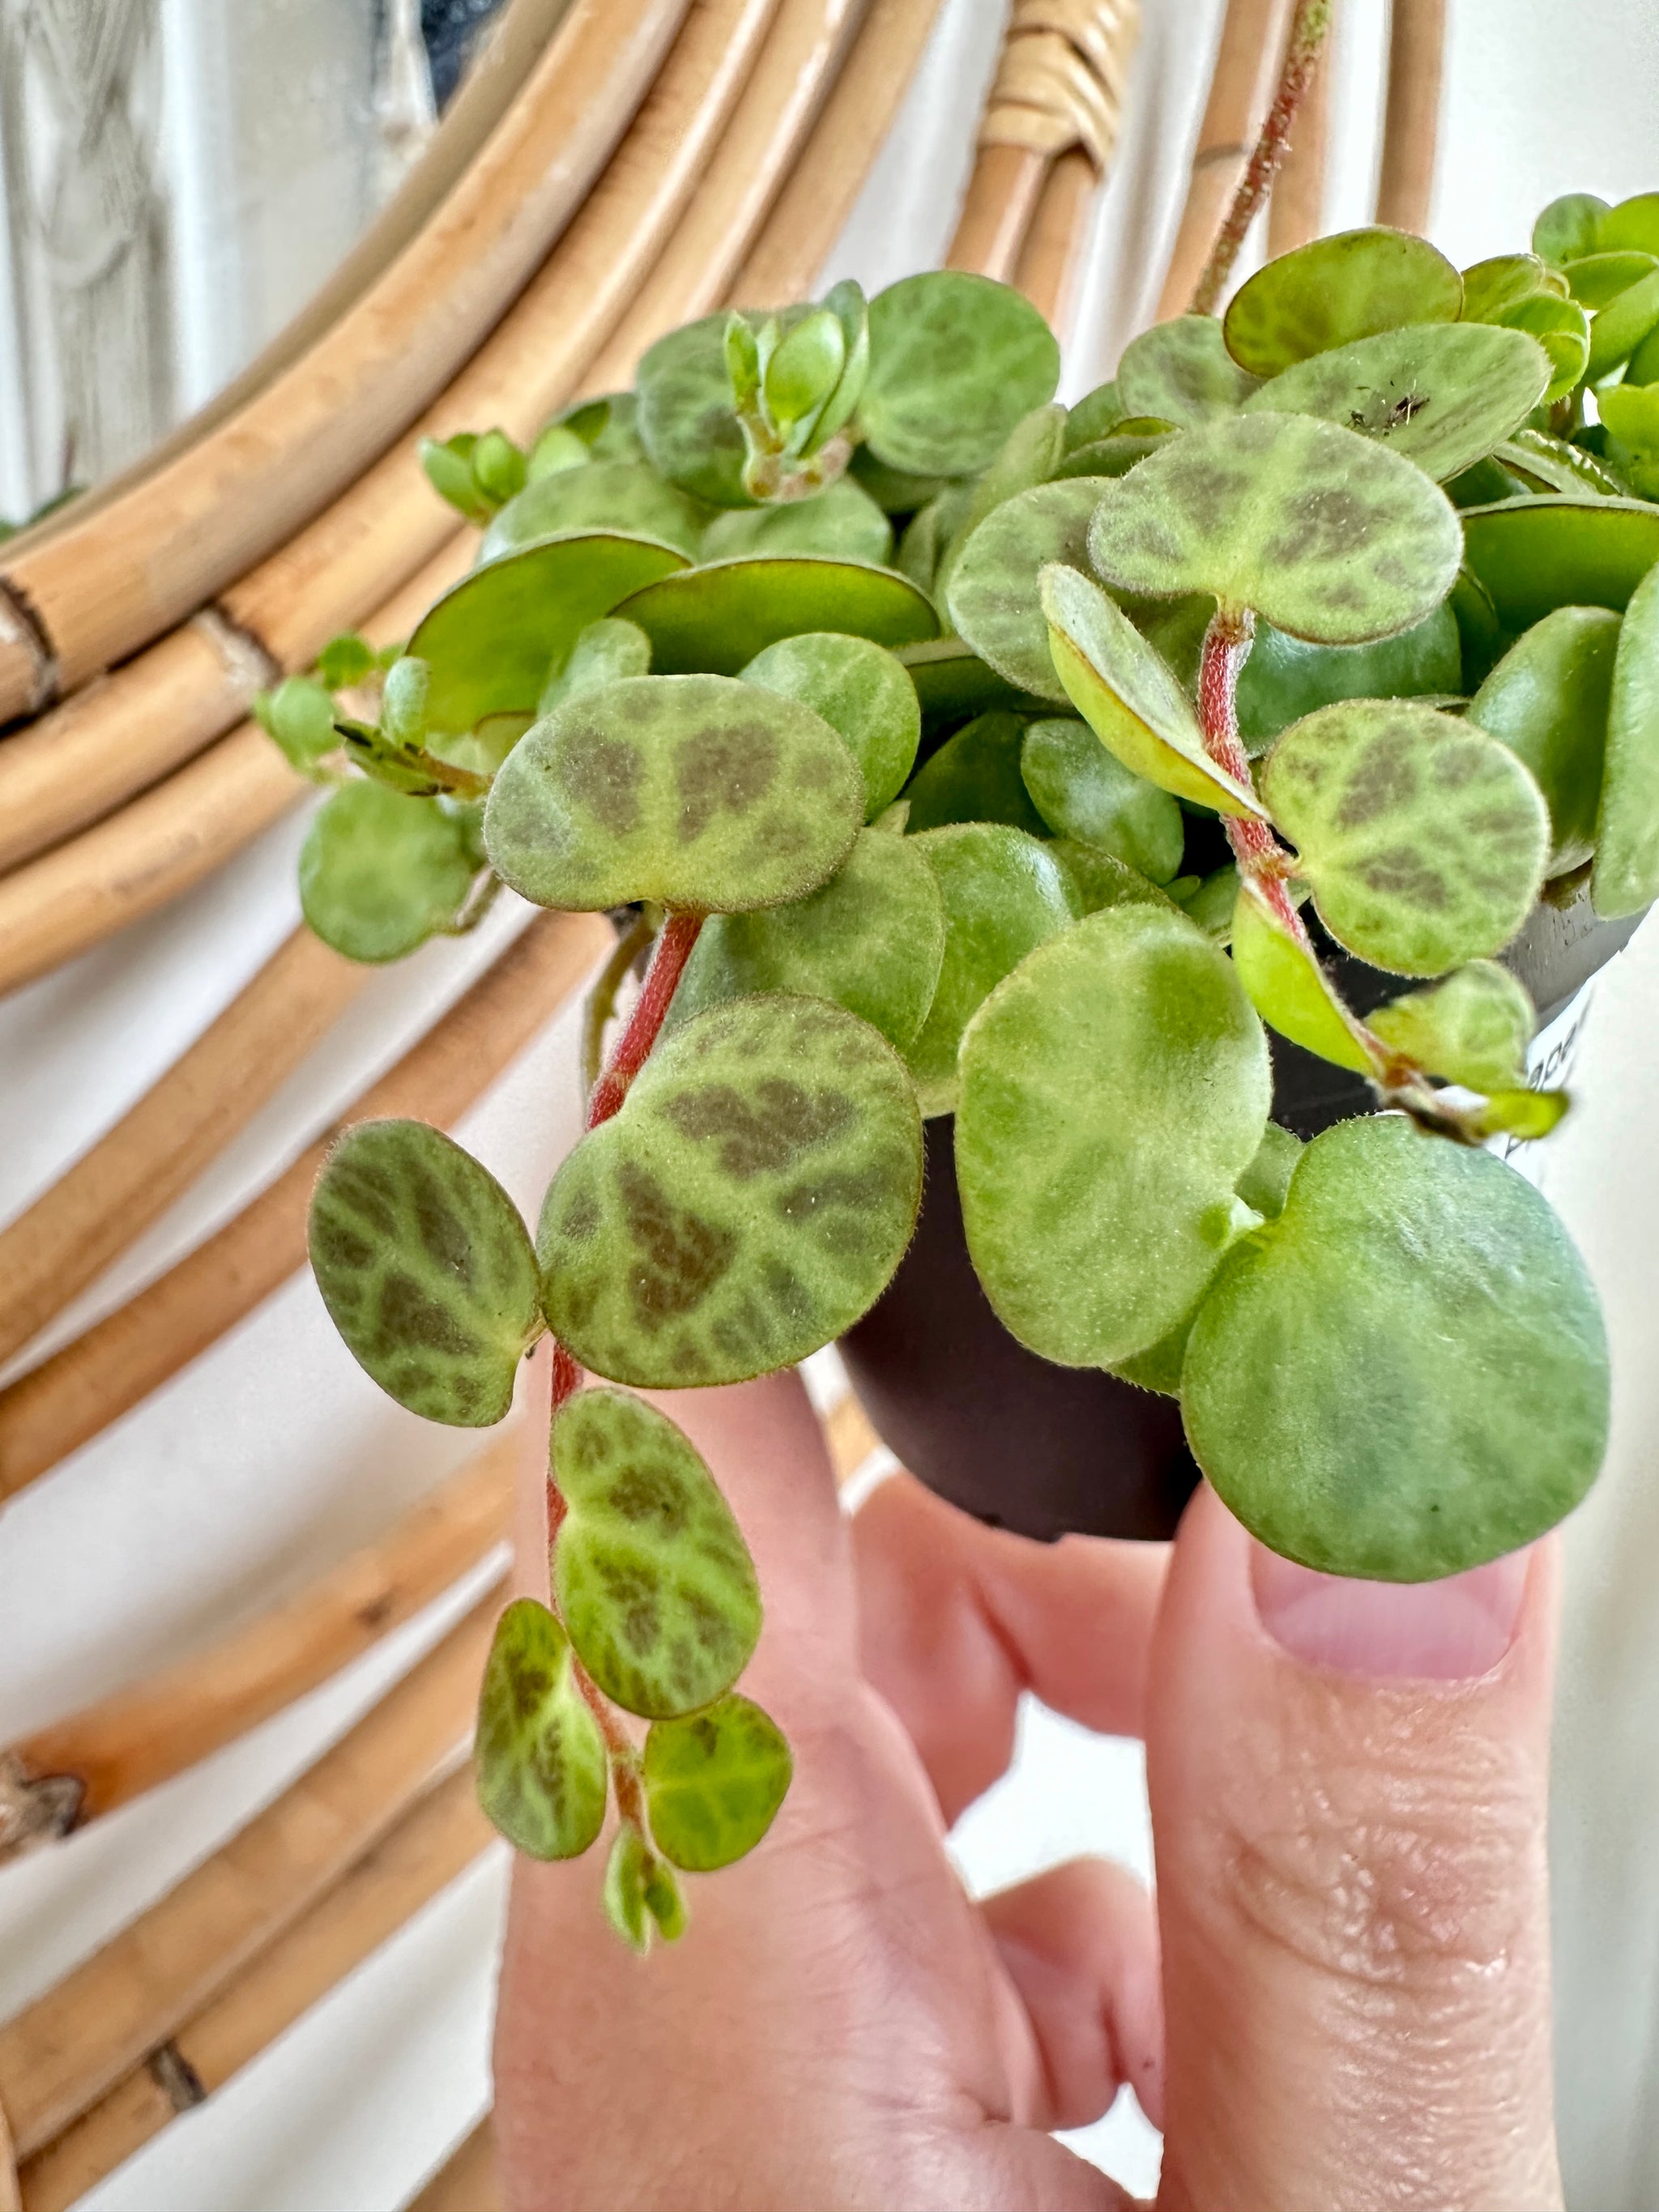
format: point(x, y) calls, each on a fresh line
point(99, 590)
point(74, 1770)
point(57, 1405)
point(1051, 258)
point(809, 212)
point(851, 1439)
point(1411, 127)
point(467, 2183)
point(364, 549)
point(503, 58)
point(1246, 58)
point(1296, 209)
point(743, 178)
point(11, 2198)
point(64, 2051)
point(133, 1174)
point(434, 1842)
point(1003, 193)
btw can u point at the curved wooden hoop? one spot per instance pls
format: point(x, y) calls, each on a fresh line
point(99, 589)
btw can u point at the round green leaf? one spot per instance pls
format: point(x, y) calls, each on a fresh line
point(1114, 1089)
point(1633, 225)
point(1443, 394)
point(489, 642)
point(1113, 455)
point(1424, 839)
point(1347, 286)
point(540, 1759)
point(1003, 894)
point(724, 615)
point(697, 792)
point(871, 940)
point(955, 361)
point(1562, 328)
point(1492, 288)
point(299, 715)
point(1625, 878)
point(1096, 880)
point(1568, 228)
point(1473, 1029)
point(1288, 987)
point(425, 1269)
point(749, 1201)
point(1621, 325)
point(1129, 696)
point(380, 872)
point(623, 1893)
point(605, 495)
point(1532, 555)
point(1083, 792)
point(843, 522)
point(1180, 372)
point(713, 1783)
point(1547, 700)
point(1534, 461)
point(654, 1580)
point(685, 416)
point(1095, 414)
point(975, 777)
point(1329, 534)
point(606, 651)
point(1285, 678)
point(1405, 1375)
point(1597, 279)
point(1028, 457)
point(867, 696)
point(993, 598)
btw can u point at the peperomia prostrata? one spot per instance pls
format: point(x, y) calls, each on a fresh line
point(941, 751)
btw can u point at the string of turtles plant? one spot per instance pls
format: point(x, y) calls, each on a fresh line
point(1334, 621)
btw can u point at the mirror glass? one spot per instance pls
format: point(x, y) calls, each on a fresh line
point(178, 179)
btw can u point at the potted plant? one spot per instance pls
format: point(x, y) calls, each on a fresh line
point(1139, 842)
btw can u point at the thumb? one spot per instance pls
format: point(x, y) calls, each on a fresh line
point(1348, 1788)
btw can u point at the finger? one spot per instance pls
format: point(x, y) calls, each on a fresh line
point(955, 1620)
point(1080, 1944)
point(1348, 1785)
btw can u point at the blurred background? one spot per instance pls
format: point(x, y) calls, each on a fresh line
point(179, 177)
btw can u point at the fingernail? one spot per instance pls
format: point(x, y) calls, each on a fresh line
point(1444, 1632)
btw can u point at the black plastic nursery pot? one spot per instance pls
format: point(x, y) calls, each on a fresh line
point(1047, 1450)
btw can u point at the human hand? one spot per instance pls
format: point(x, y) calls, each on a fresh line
point(1347, 1786)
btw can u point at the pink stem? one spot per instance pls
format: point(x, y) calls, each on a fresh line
point(1309, 26)
point(1261, 859)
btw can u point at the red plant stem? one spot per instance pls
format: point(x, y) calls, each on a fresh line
point(1309, 26)
point(1261, 859)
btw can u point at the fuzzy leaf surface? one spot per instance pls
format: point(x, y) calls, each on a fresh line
point(1473, 1029)
point(1326, 532)
point(994, 599)
point(1439, 1286)
point(685, 418)
point(1443, 394)
point(1531, 556)
point(1424, 839)
point(1129, 696)
point(1547, 700)
point(655, 1582)
point(1625, 878)
point(955, 359)
point(1084, 793)
point(491, 641)
point(975, 776)
point(713, 1783)
point(749, 1201)
point(604, 495)
point(1004, 894)
point(842, 521)
point(1180, 372)
point(1114, 1089)
point(865, 693)
point(871, 940)
point(542, 1775)
point(699, 792)
point(723, 615)
point(606, 651)
point(1096, 880)
point(380, 872)
point(425, 1269)
point(1351, 285)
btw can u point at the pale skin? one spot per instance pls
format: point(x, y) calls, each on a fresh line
point(1339, 2003)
